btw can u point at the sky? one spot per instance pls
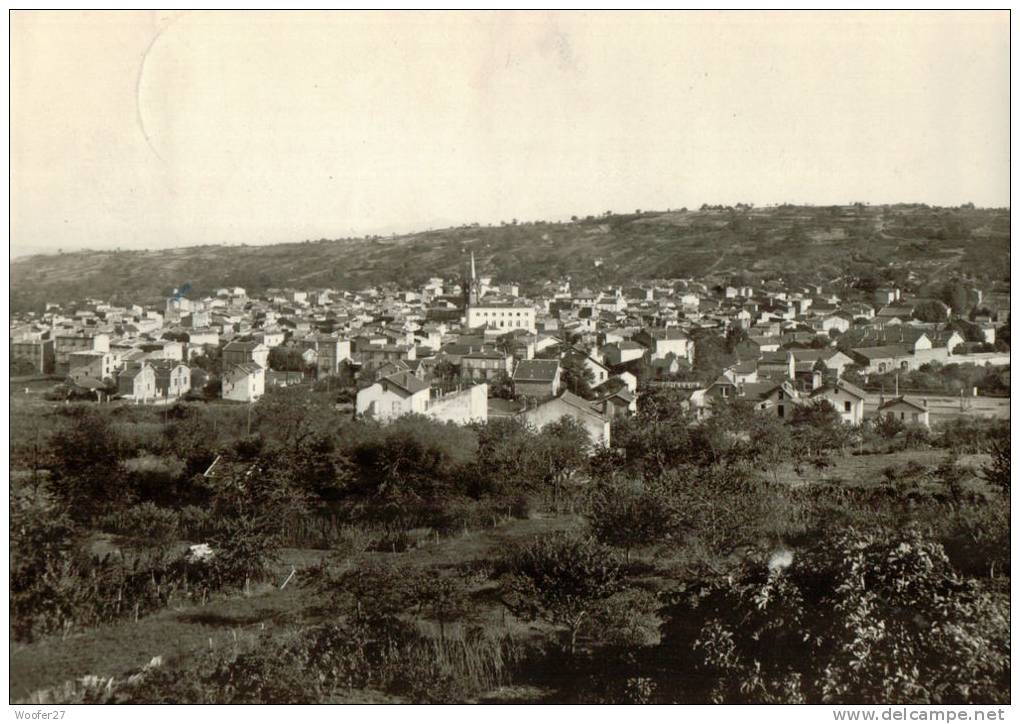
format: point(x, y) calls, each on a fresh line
point(151, 129)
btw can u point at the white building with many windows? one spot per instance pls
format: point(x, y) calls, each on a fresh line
point(501, 316)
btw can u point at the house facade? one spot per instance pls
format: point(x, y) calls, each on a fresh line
point(505, 317)
point(908, 410)
point(393, 396)
point(537, 378)
point(484, 366)
point(137, 382)
point(39, 352)
point(244, 382)
point(173, 379)
point(848, 400)
point(569, 405)
point(237, 353)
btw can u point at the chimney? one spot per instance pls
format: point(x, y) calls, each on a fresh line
point(925, 402)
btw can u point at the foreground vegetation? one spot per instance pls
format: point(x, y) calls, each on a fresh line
point(731, 560)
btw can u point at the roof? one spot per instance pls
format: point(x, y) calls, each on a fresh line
point(883, 352)
point(840, 385)
point(745, 368)
point(90, 383)
point(238, 346)
point(484, 354)
point(133, 369)
point(759, 389)
point(813, 355)
point(88, 353)
point(624, 394)
point(666, 333)
point(764, 339)
point(891, 311)
point(244, 369)
point(406, 381)
point(571, 400)
point(165, 364)
point(501, 305)
point(904, 400)
point(536, 370)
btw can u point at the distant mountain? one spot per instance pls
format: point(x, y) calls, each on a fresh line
point(802, 242)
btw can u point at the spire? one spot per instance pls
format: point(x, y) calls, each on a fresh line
point(472, 266)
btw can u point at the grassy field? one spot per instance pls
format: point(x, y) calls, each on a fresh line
point(867, 470)
point(184, 632)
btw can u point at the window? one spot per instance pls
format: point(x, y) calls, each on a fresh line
point(915, 417)
point(902, 415)
point(781, 411)
point(847, 407)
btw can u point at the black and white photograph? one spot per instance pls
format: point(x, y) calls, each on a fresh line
point(504, 357)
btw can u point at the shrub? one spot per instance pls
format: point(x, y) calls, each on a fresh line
point(864, 619)
point(152, 525)
point(560, 579)
point(997, 471)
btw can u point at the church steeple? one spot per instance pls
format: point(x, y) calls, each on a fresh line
point(473, 284)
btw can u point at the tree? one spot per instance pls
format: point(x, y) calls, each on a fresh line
point(630, 515)
point(710, 355)
point(87, 476)
point(559, 579)
point(443, 598)
point(211, 360)
point(291, 416)
point(735, 336)
point(44, 544)
point(575, 376)
point(413, 456)
point(560, 451)
point(502, 386)
point(445, 372)
point(930, 311)
point(772, 444)
point(504, 449)
point(662, 434)
point(819, 427)
point(954, 294)
point(997, 471)
point(252, 506)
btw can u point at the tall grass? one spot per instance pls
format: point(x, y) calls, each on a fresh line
point(480, 660)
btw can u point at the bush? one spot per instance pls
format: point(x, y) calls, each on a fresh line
point(148, 522)
point(324, 663)
point(560, 579)
point(863, 619)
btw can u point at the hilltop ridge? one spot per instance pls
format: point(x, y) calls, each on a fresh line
point(809, 242)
